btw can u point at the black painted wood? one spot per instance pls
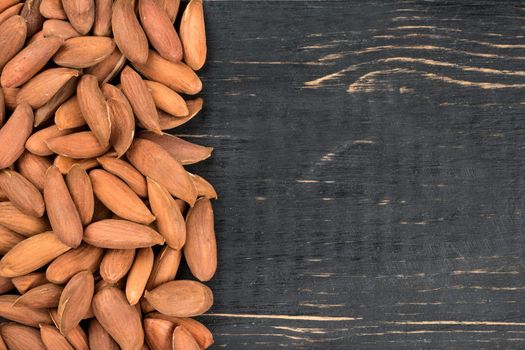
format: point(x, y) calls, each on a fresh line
point(369, 160)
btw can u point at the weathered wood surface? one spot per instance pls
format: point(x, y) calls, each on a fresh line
point(370, 164)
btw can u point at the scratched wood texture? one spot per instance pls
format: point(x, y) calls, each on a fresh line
point(370, 163)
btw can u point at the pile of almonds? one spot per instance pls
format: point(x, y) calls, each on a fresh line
point(96, 207)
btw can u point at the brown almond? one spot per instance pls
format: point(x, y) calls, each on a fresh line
point(60, 29)
point(104, 284)
point(61, 210)
point(201, 334)
point(116, 264)
point(15, 220)
point(120, 234)
point(99, 338)
point(45, 112)
point(183, 339)
point(122, 119)
point(10, 97)
point(5, 4)
point(170, 222)
point(29, 281)
point(52, 338)
point(183, 151)
point(158, 333)
point(10, 12)
point(165, 267)
point(155, 162)
point(13, 33)
point(42, 87)
point(14, 134)
point(93, 106)
point(108, 68)
point(119, 198)
point(80, 145)
point(36, 143)
point(118, 318)
point(5, 285)
point(76, 337)
point(81, 190)
point(18, 337)
point(22, 193)
point(85, 257)
point(129, 35)
point(177, 76)
point(167, 121)
point(171, 7)
point(126, 172)
point(69, 115)
point(24, 315)
point(64, 164)
point(102, 26)
point(204, 188)
point(31, 14)
point(167, 99)
point(81, 14)
point(138, 275)
point(2, 107)
point(52, 9)
point(29, 61)
point(75, 300)
point(8, 239)
point(159, 30)
point(41, 297)
point(193, 35)
point(140, 99)
point(33, 168)
point(37, 36)
point(181, 298)
point(200, 250)
point(84, 51)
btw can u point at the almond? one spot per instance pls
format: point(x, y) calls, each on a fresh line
point(13, 33)
point(76, 337)
point(31, 14)
point(109, 67)
point(18, 337)
point(52, 9)
point(15, 220)
point(75, 300)
point(42, 87)
point(177, 76)
point(5, 285)
point(139, 274)
point(121, 234)
point(167, 99)
point(122, 119)
point(8, 239)
point(155, 162)
point(99, 338)
point(60, 29)
point(61, 210)
point(33, 168)
point(102, 26)
point(22, 314)
point(201, 334)
point(22, 193)
point(126, 172)
point(183, 339)
point(64, 164)
point(204, 188)
point(193, 35)
point(183, 151)
point(171, 7)
point(94, 109)
point(165, 267)
point(84, 51)
point(2, 107)
point(85, 257)
point(81, 190)
point(159, 30)
point(158, 333)
point(181, 298)
point(69, 115)
point(129, 36)
point(119, 198)
point(37, 36)
point(40, 297)
point(14, 134)
point(29, 281)
point(118, 318)
point(52, 338)
point(140, 99)
point(167, 121)
point(45, 112)
point(10, 12)
point(10, 97)
point(80, 145)
point(170, 222)
point(5, 4)
point(81, 14)
point(36, 143)
point(200, 250)
point(116, 264)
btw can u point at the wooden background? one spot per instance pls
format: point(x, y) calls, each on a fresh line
point(370, 163)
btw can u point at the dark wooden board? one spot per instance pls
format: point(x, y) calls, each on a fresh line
point(369, 157)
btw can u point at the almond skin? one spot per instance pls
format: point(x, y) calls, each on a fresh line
point(80, 145)
point(109, 67)
point(14, 134)
point(52, 9)
point(75, 300)
point(18, 337)
point(29, 281)
point(81, 14)
point(139, 274)
point(122, 119)
point(22, 314)
point(5, 4)
point(183, 339)
point(121, 234)
point(8, 239)
point(41, 297)
point(60, 29)
point(183, 151)
point(81, 190)
point(13, 33)
point(159, 30)
point(119, 198)
point(126, 172)
point(45, 112)
point(10, 97)
point(42, 87)
point(33, 168)
point(116, 264)
point(201, 334)
point(204, 188)
point(22, 193)
point(155, 162)
point(36, 143)
point(181, 298)
point(76, 337)
point(69, 115)
point(29, 61)
point(99, 338)
point(85, 257)
point(2, 107)
point(31, 14)
point(61, 210)
point(10, 12)
point(5, 285)
point(165, 267)
point(64, 164)
point(83, 52)
point(118, 318)
point(15, 220)
point(167, 121)
point(129, 36)
point(167, 99)
point(158, 333)
point(171, 7)
point(193, 35)
point(102, 26)
point(93, 106)
point(52, 338)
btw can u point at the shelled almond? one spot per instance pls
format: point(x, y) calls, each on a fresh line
point(96, 206)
